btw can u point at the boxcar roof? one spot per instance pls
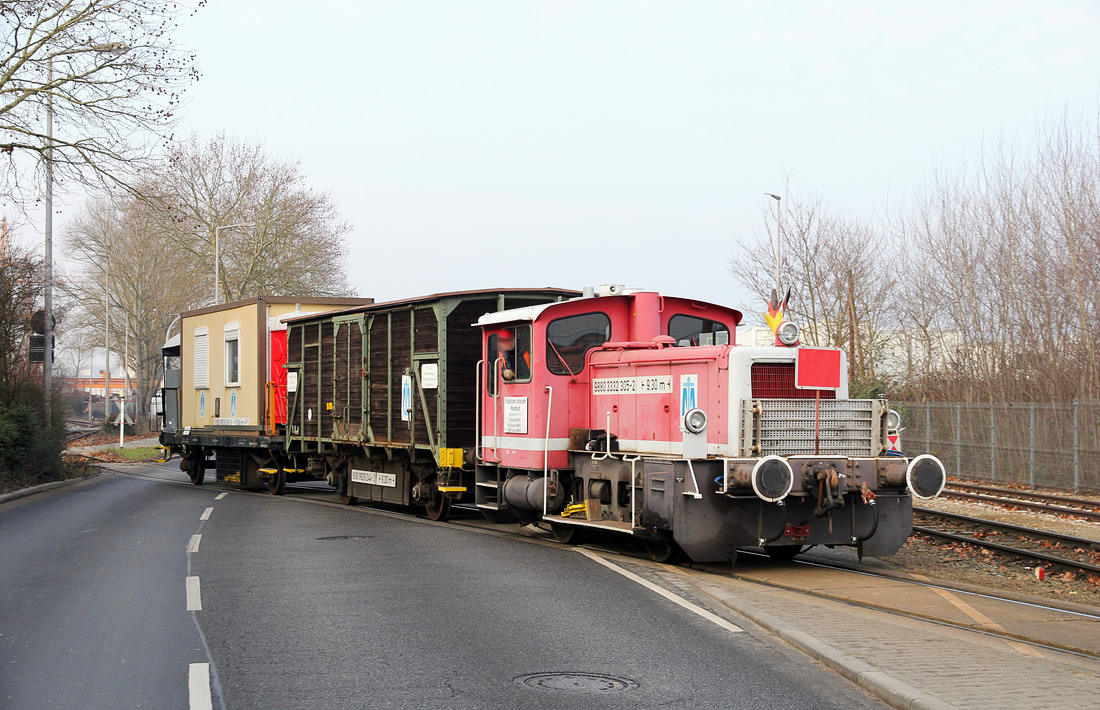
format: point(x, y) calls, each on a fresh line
point(544, 291)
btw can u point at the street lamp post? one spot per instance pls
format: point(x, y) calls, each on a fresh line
point(777, 217)
point(115, 48)
point(217, 256)
point(47, 355)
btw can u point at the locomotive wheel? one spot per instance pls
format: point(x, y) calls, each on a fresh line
point(197, 469)
point(276, 484)
point(783, 552)
point(439, 508)
point(567, 534)
point(661, 550)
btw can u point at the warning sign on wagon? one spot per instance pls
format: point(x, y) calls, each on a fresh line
point(515, 415)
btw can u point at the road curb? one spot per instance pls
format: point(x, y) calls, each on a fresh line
point(43, 487)
point(875, 681)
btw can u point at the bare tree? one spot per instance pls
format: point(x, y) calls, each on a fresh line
point(838, 269)
point(109, 73)
point(130, 269)
point(295, 245)
point(151, 257)
point(1012, 250)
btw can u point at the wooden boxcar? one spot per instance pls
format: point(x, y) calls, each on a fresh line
point(382, 398)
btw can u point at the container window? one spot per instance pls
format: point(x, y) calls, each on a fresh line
point(202, 359)
point(232, 355)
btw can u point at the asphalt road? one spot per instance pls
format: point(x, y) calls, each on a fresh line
point(308, 604)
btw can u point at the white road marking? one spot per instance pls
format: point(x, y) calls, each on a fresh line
point(194, 544)
point(198, 686)
point(194, 598)
point(206, 514)
point(221, 495)
point(713, 618)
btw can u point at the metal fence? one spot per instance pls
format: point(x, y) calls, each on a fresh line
point(1040, 445)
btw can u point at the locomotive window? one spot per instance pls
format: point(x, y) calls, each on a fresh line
point(509, 356)
point(569, 339)
point(692, 330)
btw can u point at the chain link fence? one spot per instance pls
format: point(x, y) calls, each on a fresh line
point(1042, 445)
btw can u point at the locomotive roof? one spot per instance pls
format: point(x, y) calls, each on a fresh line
point(544, 291)
point(531, 313)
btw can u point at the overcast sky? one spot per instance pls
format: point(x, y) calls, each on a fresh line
point(476, 144)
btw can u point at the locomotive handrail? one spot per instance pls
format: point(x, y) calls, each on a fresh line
point(607, 438)
point(477, 412)
point(694, 482)
point(546, 452)
point(498, 382)
point(633, 493)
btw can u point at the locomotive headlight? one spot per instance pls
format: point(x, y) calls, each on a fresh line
point(893, 420)
point(787, 333)
point(695, 420)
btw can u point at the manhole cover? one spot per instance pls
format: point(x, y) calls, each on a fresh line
point(347, 537)
point(576, 682)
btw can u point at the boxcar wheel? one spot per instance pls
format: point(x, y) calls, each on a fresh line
point(276, 484)
point(567, 534)
point(439, 508)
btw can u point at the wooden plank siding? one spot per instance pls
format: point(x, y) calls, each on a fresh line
point(351, 365)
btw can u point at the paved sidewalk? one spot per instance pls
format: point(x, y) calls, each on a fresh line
point(113, 446)
point(908, 663)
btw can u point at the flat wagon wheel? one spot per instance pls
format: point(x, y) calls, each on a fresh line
point(196, 468)
point(276, 483)
point(439, 508)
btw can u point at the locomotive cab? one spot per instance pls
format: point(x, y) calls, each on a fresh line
point(536, 392)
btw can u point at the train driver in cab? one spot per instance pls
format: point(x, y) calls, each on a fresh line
point(514, 368)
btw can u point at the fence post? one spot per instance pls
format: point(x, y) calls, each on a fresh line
point(992, 442)
point(928, 427)
point(958, 438)
point(1076, 446)
point(1031, 445)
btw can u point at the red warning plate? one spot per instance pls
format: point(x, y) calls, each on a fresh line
point(817, 369)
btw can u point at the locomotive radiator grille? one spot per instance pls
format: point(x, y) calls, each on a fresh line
point(786, 427)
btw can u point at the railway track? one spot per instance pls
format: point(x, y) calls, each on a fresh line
point(1076, 554)
point(900, 610)
point(1028, 500)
